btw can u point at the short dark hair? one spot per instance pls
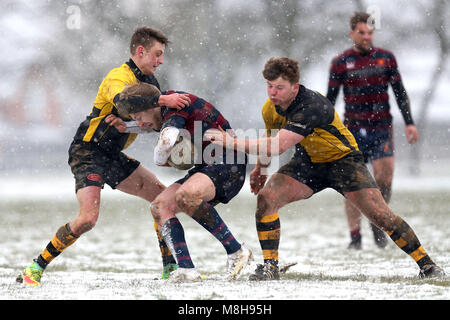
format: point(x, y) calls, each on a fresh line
point(282, 67)
point(145, 36)
point(357, 18)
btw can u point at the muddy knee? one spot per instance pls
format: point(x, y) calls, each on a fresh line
point(156, 209)
point(265, 205)
point(187, 200)
point(84, 224)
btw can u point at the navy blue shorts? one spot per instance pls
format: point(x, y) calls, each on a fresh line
point(374, 144)
point(227, 178)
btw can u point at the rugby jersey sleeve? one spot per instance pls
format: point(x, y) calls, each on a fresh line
point(399, 91)
point(114, 83)
point(334, 81)
point(174, 118)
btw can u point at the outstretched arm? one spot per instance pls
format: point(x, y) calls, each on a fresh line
point(266, 146)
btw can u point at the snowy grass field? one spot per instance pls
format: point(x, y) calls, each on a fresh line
point(120, 258)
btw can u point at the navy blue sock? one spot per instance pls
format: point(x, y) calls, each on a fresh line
point(173, 234)
point(209, 219)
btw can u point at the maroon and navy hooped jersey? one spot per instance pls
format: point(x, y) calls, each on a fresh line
point(198, 110)
point(199, 113)
point(365, 79)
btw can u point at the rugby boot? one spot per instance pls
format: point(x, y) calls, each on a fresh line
point(185, 275)
point(237, 262)
point(266, 271)
point(168, 269)
point(31, 275)
point(431, 271)
point(379, 236)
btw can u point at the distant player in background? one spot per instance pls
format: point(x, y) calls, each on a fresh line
point(215, 178)
point(326, 156)
point(365, 73)
point(95, 154)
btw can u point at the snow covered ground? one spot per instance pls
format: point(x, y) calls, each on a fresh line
point(120, 260)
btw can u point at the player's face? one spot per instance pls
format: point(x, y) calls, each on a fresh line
point(281, 92)
point(362, 36)
point(150, 118)
point(149, 59)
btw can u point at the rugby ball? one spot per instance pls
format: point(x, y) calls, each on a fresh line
point(182, 155)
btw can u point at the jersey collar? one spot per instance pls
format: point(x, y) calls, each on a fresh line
point(137, 72)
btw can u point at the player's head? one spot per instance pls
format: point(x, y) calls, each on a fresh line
point(361, 31)
point(147, 46)
point(133, 100)
point(283, 76)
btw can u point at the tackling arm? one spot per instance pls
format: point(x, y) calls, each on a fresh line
point(265, 146)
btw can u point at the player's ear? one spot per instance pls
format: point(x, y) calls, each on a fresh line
point(139, 50)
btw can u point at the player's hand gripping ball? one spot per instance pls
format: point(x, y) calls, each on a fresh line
point(182, 155)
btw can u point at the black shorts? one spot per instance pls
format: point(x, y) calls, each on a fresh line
point(227, 178)
point(344, 175)
point(91, 166)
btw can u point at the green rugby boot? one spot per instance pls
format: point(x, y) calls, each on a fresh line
point(31, 275)
point(168, 269)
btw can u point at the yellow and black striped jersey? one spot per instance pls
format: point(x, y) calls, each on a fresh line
point(94, 129)
point(314, 117)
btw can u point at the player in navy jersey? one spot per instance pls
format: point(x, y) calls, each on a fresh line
point(365, 72)
point(216, 177)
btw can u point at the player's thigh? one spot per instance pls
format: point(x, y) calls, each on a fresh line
point(198, 186)
point(142, 183)
point(383, 170)
point(282, 189)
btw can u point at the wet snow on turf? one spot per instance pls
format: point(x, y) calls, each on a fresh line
point(120, 258)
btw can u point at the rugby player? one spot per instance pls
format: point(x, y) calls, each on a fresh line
point(215, 178)
point(327, 156)
point(365, 73)
point(96, 157)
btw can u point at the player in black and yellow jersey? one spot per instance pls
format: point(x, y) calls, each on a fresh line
point(326, 156)
point(96, 157)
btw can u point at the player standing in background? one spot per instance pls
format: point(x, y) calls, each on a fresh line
point(95, 154)
point(365, 73)
point(217, 176)
point(326, 156)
